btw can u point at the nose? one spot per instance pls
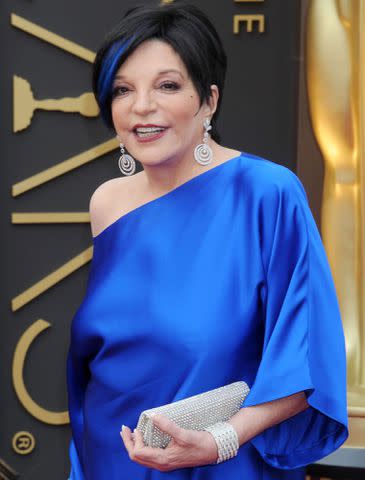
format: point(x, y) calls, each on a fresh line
point(143, 103)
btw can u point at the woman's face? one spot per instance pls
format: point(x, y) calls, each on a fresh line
point(155, 106)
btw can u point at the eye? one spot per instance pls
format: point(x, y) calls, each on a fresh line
point(169, 86)
point(118, 90)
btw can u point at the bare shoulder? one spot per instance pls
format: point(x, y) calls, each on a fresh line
point(109, 201)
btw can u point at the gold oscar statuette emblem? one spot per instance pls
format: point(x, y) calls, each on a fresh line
point(335, 82)
point(25, 104)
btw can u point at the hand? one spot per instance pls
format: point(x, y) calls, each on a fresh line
point(187, 448)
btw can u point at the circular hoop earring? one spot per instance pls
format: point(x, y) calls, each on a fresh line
point(126, 163)
point(203, 154)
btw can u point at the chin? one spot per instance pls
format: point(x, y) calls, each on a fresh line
point(155, 156)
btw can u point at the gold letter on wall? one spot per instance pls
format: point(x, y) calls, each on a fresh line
point(46, 416)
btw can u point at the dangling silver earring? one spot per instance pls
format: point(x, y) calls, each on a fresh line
point(203, 154)
point(126, 163)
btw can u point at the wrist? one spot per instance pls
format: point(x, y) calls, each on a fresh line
point(240, 422)
point(226, 439)
point(241, 434)
point(211, 450)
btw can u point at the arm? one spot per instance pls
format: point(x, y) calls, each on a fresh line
point(251, 421)
point(189, 448)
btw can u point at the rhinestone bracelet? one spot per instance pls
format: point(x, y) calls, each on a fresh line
point(226, 439)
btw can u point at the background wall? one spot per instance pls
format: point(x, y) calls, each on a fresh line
point(259, 116)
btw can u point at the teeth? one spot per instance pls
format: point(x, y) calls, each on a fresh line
point(149, 129)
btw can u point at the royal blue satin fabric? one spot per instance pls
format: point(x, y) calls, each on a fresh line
point(222, 279)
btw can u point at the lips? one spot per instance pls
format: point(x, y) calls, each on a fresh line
point(148, 132)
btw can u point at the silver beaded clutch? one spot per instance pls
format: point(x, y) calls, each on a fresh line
point(194, 413)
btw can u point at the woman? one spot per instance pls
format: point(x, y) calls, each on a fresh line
point(207, 269)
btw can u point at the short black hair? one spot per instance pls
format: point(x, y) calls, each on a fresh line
point(185, 28)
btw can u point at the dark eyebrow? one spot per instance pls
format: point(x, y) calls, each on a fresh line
point(161, 72)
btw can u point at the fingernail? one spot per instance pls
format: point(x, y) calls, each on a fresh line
point(134, 431)
point(123, 427)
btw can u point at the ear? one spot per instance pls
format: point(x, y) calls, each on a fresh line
point(212, 103)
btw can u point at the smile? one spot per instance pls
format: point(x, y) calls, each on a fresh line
point(149, 133)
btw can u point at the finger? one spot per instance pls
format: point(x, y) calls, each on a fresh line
point(137, 450)
point(147, 454)
point(126, 436)
point(138, 439)
point(168, 426)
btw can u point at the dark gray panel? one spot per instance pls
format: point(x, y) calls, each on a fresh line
point(258, 116)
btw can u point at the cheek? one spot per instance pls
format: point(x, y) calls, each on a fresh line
point(119, 116)
point(183, 110)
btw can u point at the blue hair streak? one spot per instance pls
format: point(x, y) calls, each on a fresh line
point(108, 71)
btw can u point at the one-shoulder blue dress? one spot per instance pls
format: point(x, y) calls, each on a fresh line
point(224, 278)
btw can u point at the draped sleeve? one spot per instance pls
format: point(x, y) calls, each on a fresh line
point(303, 345)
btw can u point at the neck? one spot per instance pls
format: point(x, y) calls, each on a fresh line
point(171, 173)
